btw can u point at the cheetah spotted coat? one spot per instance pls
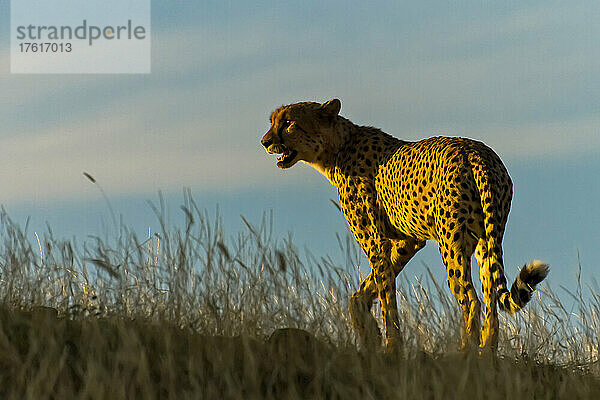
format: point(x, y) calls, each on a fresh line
point(396, 195)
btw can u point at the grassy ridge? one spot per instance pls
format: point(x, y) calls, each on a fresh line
point(116, 358)
point(190, 313)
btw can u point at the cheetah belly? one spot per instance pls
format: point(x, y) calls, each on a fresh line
point(408, 206)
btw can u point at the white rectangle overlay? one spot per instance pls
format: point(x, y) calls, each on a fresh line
point(80, 37)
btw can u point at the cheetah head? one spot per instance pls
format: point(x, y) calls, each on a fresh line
point(301, 132)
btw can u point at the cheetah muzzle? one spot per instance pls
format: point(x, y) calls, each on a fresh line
point(287, 156)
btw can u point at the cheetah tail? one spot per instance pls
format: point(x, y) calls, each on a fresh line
point(521, 290)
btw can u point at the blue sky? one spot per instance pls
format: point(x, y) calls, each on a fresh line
point(521, 76)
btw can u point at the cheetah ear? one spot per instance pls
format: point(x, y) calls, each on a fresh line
point(332, 107)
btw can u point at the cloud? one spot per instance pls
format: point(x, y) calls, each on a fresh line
point(136, 152)
point(544, 141)
point(518, 84)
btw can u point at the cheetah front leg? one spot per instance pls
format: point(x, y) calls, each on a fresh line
point(381, 282)
point(360, 313)
point(368, 223)
point(398, 255)
point(385, 279)
point(403, 249)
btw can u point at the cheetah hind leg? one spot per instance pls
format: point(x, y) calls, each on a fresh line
point(458, 268)
point(489, 335)
point(363, 321)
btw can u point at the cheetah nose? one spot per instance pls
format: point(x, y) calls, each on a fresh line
point(267, 142)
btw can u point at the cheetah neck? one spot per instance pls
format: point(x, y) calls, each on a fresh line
point(341, 132)
point(326, 164)
point(326, 170)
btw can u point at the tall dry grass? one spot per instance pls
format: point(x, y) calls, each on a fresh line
point(189, 312)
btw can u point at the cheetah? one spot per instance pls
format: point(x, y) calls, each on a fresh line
point(396, 195)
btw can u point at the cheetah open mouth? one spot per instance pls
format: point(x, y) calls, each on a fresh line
point(286, 158)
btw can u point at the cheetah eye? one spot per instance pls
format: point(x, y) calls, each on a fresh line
point(284, 125)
